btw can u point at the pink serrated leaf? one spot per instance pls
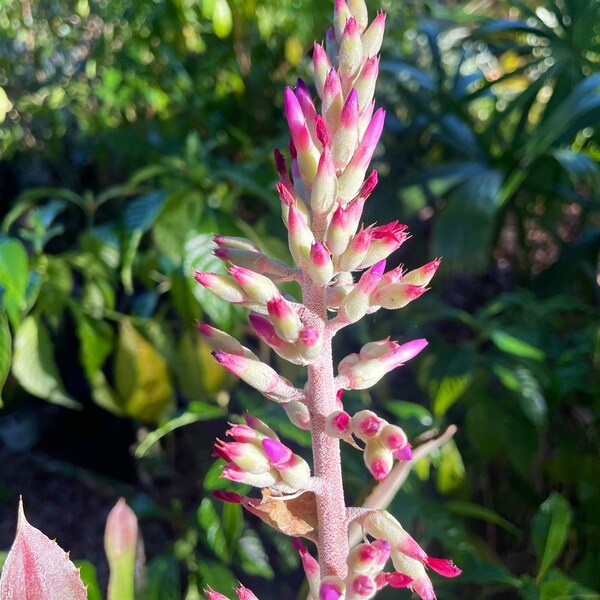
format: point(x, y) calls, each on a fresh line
point(37, 568)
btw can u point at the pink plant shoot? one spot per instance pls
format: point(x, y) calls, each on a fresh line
point(344, 271)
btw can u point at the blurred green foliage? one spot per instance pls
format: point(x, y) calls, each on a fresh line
point(132, 131)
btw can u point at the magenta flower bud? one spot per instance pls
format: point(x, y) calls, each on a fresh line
point(356, 251)
point(423, 275)
point(245, 434)
point(358, 8)
point(284, 318)
point(311, 568)
point(346, 138)
point(332, 588)
point(300, 238)
point(420, 582)
point(366, 425)
point(365, 83)
point(331, 45)
point(351, 52)
point(341, 14)
point(333, 101)
point(278, 454)
point(243, 593)
point(369, 559)
point(237, 243)
point(324, 189)
point(309, 344)
point(212, 595)
point(265, 330)
point(397, 295)
point(254, 261)
point(393, 437)
point(443, 566)
point(219, 341)
point(306, 103)
point(351, 180)
point(379, 460)
point(392, 276)
point(223, 286)
point(298, 414)
point(322, 66)
point(260, 288)
point(395, 580)
point(384, 240)
point(248, 457)
point(308, 155)
point(260, 376)
point(361, 587)
point(373, 36)
point(320, 266)
point(356, 304)
point(321, 131)
point(337, 425)
point(225, 496)
point(280, 164)
point(238, 475)
point(404, 453)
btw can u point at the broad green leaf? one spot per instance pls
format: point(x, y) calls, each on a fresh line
point(210, 522)
point(550, 529)
point(163, 579)
point(141, 377)
point(5, 351)
point(14, 273)
point(34, 366)
point(253, 555)
point(513, 345)
point(528, 392)
point(213, 479)
point(87, 572)
point(96, 342)
point(476, 511)
point(451, 471)
point(222, 19)
point(57, 285)
point(410, 410)
point(232, 521)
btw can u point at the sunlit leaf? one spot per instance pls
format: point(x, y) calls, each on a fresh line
point(253, 556)
point(528, 392)
point(210, 522)
point(14, 272)
point(222, 18)
point(34, 366)
point(513, 345)
point(451, 470)
point(5, 351)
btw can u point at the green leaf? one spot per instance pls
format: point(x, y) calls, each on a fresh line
point(451, 470)
point(87, 572)
point(513, 345)
point(550, 529)
point(216, 576)
point(410, 410)
point(210, 522)
point(5, 351)
point(476, 511)
point(222, 19)
point(233, 524)
point(560, 587)
point(163, 579)
point(34, 366)
point(14, 273)
point(253, 556)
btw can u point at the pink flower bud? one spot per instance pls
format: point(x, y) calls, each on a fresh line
point(223, 286)
point(309, 344)
point(341, 14)
point(346, 138)
point(393, 437)
point(358, 8)
point(366, 425)
point(298, 414)
point(404, 453)
point(443, 566)
point(360, 587)
point(397, 295)
point(260, 288)
point(320, 266)
point(395, 580)
point(300, 238)
point(356, 251)
point(311, 568)
point(369, 559)
point(379, 460)
point(212, 595)
point(365, 83)
point(284, 318)
point(377, 349)
point(364, 118)
point(351, 180)
point(333, 101)
point(238, 475)
point(351, 52)
point(306, 103)
point(373, 36)
point(338, 233)
point(355, 208)
point(225, 496)
point(248, 457)
point(332, 588)
point(219, 341)
point(37, 567)
point(420, 582)
point(321, 131)
point(356, 304)
point(337, 425)
point(384, 240)
point(324, 189)
point(260, 376)
point(243, 593)
point(237, 243)
point(423, 275)
point(278, 454)
point(322, 66)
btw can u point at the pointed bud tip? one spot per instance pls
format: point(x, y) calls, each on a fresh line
point(444, 567)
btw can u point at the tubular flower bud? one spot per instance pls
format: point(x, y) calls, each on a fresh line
point(395, 580)
point(296, 473)
point(351, 180)
point(351, 52)
point(366, 425)
point(232, 472)
point(243, 593)
point(307, 105)
point(297, 414)
point(320, 266)
point(291, 199)
point(369, 558)
point(384, 240)
point(360, 587)
point(420, 582)
point(259, 426)
point(394, 438)
point(212, 595)
point(336, 294)
point(365, 83)
point(373, 36)
point(356, 251)
point(260, 288)
point(311, 568)
point(308, 155)
point(337, 425)
point(359, 9)
point(379, 460)
point(248, 457)
point(346, 138)
point(235, 243)
point(255, 261)
point(423, 275)
point(377, 349)
point(332, 588)
point(284, 318)
point(396, 295)
point(322, 66)
point(341, 14)
point(219, 341)
point(355, 208)
point(324, 189)
point(223, 286)
point(356, 304)
point(333, 101)
point(300, 238)
point(309, 344)
point(338, 233)
point(260, 376)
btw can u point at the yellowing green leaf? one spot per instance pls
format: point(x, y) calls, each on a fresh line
point(222, 19)
point(141, 377)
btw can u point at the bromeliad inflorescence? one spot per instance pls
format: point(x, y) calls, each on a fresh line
point(340, 264)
